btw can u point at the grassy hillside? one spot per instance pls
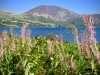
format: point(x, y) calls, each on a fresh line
point(10, 19)
point(17, 20)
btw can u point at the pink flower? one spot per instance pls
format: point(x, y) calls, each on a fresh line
point(85, 47)
point(72, 65)
point(28, 33)
point(88, 22)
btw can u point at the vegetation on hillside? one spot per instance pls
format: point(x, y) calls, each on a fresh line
point(45, 16)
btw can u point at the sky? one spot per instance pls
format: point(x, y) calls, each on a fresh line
point(77, 6)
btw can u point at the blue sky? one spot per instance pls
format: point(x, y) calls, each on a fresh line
point(78, 6)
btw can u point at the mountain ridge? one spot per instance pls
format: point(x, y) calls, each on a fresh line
point(56, 13)
point(46, 15)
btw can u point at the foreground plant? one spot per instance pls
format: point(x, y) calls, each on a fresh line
point(91, 35)
point(49, 55)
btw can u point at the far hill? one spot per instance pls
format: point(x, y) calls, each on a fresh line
point(52, 12)
point(96, 18)
point(45, 16)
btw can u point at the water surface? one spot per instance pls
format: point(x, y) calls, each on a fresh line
point(45, 31)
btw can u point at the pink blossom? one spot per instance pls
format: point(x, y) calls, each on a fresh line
point(85, 46)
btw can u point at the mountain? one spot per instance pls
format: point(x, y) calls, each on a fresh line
point(52, 12)
point(45, 16)
point(96, 18)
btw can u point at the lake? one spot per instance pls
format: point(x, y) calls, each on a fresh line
point(45, 31)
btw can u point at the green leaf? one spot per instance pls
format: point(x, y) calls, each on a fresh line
point(52, 58)
point(31, 74)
